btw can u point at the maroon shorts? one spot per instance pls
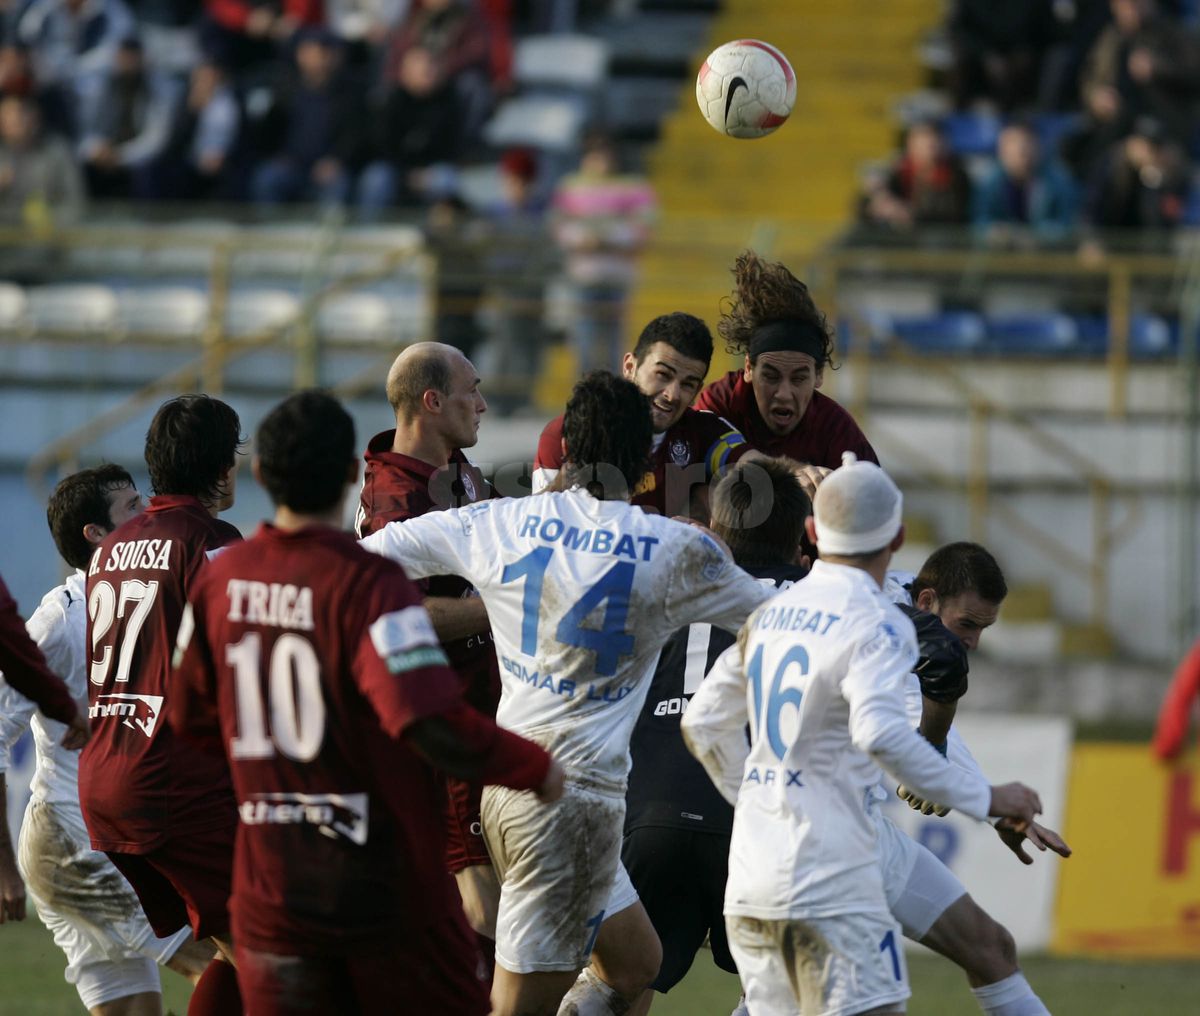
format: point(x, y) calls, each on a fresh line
point(437, 972)
point(187, 880)
point(464, 827)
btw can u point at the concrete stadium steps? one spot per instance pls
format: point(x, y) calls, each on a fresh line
point(851, 60)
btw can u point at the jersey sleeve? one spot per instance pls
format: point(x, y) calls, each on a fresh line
point(1175, 715)
point(707, 586)
point(714, 726)
point(881, 658)
point(25, 668)
point(716, 398)
point(439, 543)
point(549, 457)
point(729, 446)
point(192, 707)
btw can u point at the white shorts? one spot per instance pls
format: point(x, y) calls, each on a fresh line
point(822, 966)
point(557, 866)
point(918, 886)
point(93, 913)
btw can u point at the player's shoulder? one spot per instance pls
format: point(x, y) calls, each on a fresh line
point(549, 447)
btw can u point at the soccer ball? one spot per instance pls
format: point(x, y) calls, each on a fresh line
point(746, 88)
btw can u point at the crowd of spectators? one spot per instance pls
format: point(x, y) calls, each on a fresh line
point(367, 104)
point(1096, 105)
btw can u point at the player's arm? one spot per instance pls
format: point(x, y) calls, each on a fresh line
point(873, 687)
point(706, 585)
point(15, 713)
point(25, 669)
point(456, 617)
point(438, 543)
point(714, 726)
point(1170, 734)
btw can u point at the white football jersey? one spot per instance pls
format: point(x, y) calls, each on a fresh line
point(581, 594)
point(820, 671)
point(59, 627)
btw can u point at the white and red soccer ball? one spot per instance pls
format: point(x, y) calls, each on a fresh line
point(746, 88)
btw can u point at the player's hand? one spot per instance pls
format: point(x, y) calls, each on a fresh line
point(920, 804)
point(1015, 801)
point(79, 732)
point(12, 889)
point(552, 786)
point(1040, 836)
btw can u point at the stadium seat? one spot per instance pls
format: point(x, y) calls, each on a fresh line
point(1024, 334)
point(190, 247)
point(972, 133)
point(947, 332)
point(538, 121)
point(253, 310)
point(14, 306)
point(169, 312)
point(566, 61)
point(355, 317)
point(69, 307)
point(1149, 335)
point(1051, 128)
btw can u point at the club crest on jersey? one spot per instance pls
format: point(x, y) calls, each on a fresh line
point(681, 452)
point(137, 712)
point(468, 486)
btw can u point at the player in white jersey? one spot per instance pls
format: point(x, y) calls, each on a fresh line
point(582, 590)
point(94, 914)
point(820, 672)
point(959, 591)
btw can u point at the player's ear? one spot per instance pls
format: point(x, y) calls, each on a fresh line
point(628, 366)
point(927, 601)
point(819, 377)
point(431, 399)
point(810, 529)
point(94, 534)
point(897, 541)
point(256, 470)
point(748, 370)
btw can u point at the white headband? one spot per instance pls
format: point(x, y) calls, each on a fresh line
point(862, 475)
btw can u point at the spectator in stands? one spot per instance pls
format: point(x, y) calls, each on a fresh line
point(1024, 194)
point(16, 70)
point(926, 186)
point(73, 44)
point(413, 139)
point(196, 162)
point(320, 117)
point(1148, 65)
point(453, 35)
point(1103, 124)
point(249, 35)
point(998, 49)
point(458, 245)
point(127, 125)
point(601, 220)
point(40, 181)
point(1142, 185)
point(363, 23)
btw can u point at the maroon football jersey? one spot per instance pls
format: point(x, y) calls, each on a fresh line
point(310, 656)
point(824, 432)
point(398, 487)
point(695, 449)
point(25, 668)
point(138, 784)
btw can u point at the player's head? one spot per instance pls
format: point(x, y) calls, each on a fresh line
point(964, 586)
point(191, 448)
point(771, 320)
point(758, 508)
point(86, 506)
point(435, 386)
point(857, 515)
point(304, 453)
point(606, 436)
point(668, 364)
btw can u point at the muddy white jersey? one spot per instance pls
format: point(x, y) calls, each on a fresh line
point(58, 626)
point(581, 595)
point(819, 671)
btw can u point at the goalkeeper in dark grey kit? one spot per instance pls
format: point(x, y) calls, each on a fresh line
point(955, 596)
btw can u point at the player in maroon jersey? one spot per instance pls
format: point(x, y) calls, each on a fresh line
point(690, 447)
point(162, 810)
point(416, 468)
point(772, 321)
point(317, 667)
point(24, 667)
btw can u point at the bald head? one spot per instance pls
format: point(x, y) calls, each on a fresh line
point(419, 368)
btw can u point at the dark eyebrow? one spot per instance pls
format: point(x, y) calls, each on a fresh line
point(665, 366)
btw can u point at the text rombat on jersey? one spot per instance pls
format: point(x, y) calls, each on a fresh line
point(596, 541)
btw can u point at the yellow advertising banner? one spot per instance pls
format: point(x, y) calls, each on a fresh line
point(1132, 887)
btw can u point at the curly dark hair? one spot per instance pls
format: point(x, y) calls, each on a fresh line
point(766, 291)
point(607, 429)
point(192, 441)
point(959, 568)
point(305, 446)
point(684, 333)
point(80, 499)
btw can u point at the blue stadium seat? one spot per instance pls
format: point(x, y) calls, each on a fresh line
point(955, 331)
point(1149, 335)
point(1033, 334)
point(1051, 128)
point(972, 133)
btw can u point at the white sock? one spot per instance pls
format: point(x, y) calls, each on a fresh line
point(1011, 997)
point(590, 996)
